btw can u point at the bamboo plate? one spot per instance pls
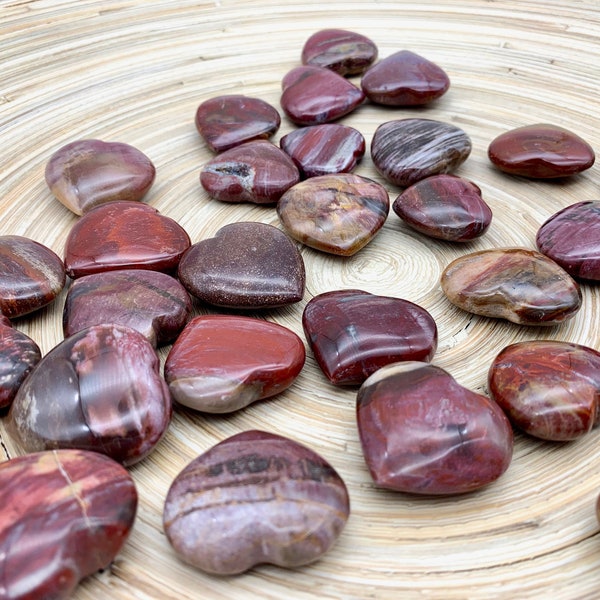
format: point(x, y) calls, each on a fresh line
point(135, 72)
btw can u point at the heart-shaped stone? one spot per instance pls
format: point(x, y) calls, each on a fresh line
point(353, 333)
point(124, 235)
point(86, 173)
point(246, 265)
point(422, 432)
point(339, 214)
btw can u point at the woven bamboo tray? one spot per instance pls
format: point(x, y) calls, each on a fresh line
point(135, 72)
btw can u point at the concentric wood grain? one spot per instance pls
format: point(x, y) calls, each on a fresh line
point(135, 72)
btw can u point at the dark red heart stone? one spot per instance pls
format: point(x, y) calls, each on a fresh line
point(283, 504)
point(246, 265)
point(547, 388)
point(423, 433)
point(65, 515)
point(541, 151)
point(98, 390)
point(405, 79)
point(229, 120)
point(31, 275)
point(353, 333)
point(324, 149)
point(153, 303)
point(445, 207)
point(571, 238)
point(257, 172)
point(86, 173)
point(313, 95)
point(18, 355)
point(124, 235)
point(221, 363)
point(345, 52)
point(408, 150)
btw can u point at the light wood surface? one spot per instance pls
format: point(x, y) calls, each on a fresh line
point(135, 72)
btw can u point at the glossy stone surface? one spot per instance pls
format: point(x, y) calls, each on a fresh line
point(65, 515)
point(314, 95)
point(246, 265)
point(408, 150)
point(547, 388)
point(281, 503)
point(571, 237)
point(98, 390)
point(345, 52)
point(124, 235)
point(229, 120)
point(222, 363)
point(86, 173)
point(516, 284)
point(405, 79)
point(445, 207)
point(423, 433)
point(339, 214)
point(353, 333)
point(31, 275)
point(18, 355)
point(324, 149)
point(153, 303)
point(541, 151)
point(257, 172)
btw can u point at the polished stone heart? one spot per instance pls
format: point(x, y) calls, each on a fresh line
point(345, 52)
point(31, 276)
point(423, 433)
point(547, 388)
point(405, 79)
point(65, 515)
point(229, 120)
point(408, 150)
point(255, 498)
point(222, 363)
point(339, 214)
point(445, 207)
point(541, 151)
point(86, 173)
point(516, 284)
point(98, 390)
point(246, 265)
point(314, 95)
point(124, 235)
point(257, 172)
point(324, 149)
point(18, 355)
point(353, 333)
point(153, 303)
point(571, 237)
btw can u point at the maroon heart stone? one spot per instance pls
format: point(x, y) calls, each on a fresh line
point(153, 303)
point(229, 120)
point(548, 388)
point(246, 265)
point(313, 95)
point(65, 515)
point(541, 151)
point(283, 503)
point(353, 333)
point(124, 235)
point(222, 363)
point(86, 173)
point(31, 275)
point(256, 172)
point(98, 390)
point(423, 433)
point(405, 79)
